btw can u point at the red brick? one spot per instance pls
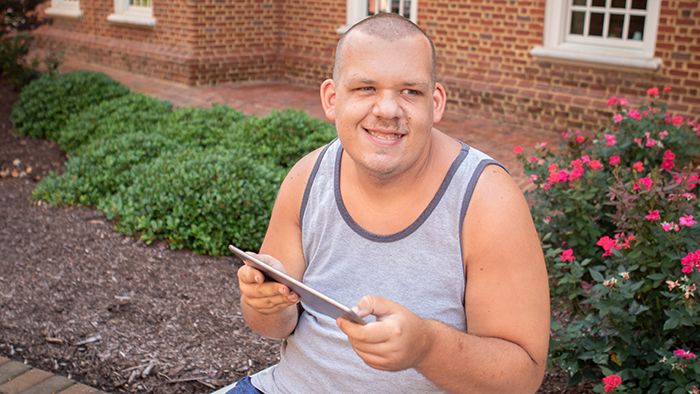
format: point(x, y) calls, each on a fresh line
point(24, 381)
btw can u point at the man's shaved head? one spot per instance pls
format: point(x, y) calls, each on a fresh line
point(389, 27)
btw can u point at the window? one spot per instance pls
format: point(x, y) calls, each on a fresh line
point(67, 8)
point(357, 10)
point(133, 12)
point(610, 32)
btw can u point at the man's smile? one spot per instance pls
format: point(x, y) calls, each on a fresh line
point(384, 136)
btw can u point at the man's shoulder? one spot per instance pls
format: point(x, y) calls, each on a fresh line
point(295, 182)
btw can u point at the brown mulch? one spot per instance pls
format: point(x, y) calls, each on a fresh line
point(81, 300)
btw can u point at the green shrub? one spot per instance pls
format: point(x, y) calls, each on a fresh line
point(102, 168)
point(616, 215)
point(202, 199)
point(46, 104)
point(196, 178)
point(201, 127)
point(285, 136)
point(132, 113)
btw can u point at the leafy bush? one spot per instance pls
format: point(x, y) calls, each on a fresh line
point(16, 17)
point(285, 136)
point(616, 215)
point(46, 104)
point(131, 113)
point(195, 177)
point(202, 199)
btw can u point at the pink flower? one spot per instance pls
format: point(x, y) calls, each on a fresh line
point(612, 100)
point(518, 150)
point(638, 166)
point(585, 158)
point(653, 92)
point(687, 220)
point(576, 163)
point(595, 164)
point(580, 139)
point(646, 182)
point(683, 353)
point(567, 255)
point(614, 160)
point(667, 89)
point(608, 244)
point(669, 226)
point(576, 173)
point(622, 101)
point(533, 158)
point(533, 177)
point(691, 261)
point(610, 140)
point(617, 118)
point(663, 134)
point(668, 164)
point(653, 215)
point(611, 382)
point(634, 114)
point(651, 142)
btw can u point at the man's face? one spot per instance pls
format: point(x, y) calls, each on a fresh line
point(384, 103)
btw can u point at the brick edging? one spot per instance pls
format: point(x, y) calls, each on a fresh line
point(19, 378)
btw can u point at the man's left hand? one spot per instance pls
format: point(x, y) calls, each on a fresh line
point(398, 340)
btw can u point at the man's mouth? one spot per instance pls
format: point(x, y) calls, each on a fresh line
point(383, 136)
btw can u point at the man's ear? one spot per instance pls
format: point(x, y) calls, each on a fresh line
point(328, 98)
point(439, 101)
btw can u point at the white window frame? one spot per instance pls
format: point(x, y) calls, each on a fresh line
point(64, 8)
point(132, 15)
point(603, 51)
point(356, 10)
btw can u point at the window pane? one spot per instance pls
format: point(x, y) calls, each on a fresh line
point(636, 28)
point(580, 2)
point(619, 3)
point(639, 4)
point(407, 9)
point(578, 19)
point(598, 3)
point(595, 28)
point(615, 26)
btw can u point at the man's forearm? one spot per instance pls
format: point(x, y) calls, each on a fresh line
point(464, 363)
point(277, 325)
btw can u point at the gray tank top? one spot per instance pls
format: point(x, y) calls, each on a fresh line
point(420, 267)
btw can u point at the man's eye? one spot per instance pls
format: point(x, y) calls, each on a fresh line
point(367, 88)
point(410, 92)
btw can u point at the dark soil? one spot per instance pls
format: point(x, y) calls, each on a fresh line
point(80, 300)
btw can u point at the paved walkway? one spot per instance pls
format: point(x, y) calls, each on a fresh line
point(258, 98)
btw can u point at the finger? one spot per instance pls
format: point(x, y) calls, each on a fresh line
point(377, 306)
point(269, 260)
point(371, 333)
point(248, 274)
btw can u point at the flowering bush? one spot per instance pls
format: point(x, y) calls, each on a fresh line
point(617, 215)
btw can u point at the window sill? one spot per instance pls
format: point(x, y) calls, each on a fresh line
point(588, 59)
point(64, 12)
point(126, 19)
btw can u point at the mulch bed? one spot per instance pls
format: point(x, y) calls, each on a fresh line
point(81, 300)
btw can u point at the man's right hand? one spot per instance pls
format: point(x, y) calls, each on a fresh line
point(264, 297)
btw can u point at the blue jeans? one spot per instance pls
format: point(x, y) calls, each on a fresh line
point(243, 386)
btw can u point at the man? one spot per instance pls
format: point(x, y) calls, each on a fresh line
point(429, 237)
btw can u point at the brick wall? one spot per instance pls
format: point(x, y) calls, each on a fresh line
point(482, 53)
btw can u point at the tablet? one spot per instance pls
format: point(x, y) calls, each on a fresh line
point(314, 299)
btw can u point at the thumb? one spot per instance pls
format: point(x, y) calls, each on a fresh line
point(375, 305)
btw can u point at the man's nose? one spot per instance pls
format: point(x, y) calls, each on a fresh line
point(386, 106)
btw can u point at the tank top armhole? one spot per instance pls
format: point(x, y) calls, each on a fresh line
point(312, 176)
